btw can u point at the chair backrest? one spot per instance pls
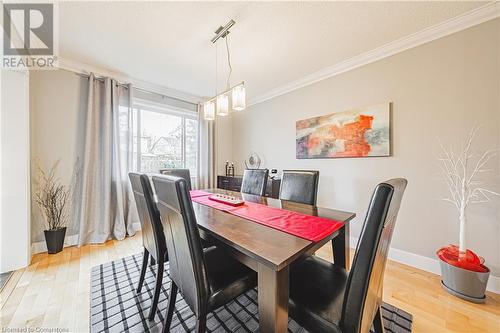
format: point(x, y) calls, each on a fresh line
point(153, 238)
point(183, 173)
point(363, 294)
point(187, 263)
point(254, 181)
point(299, 186)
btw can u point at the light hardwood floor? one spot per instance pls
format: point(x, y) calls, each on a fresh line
point(53, 292)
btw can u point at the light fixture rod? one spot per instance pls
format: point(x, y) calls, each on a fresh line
point(222, 31)
point(226, 91)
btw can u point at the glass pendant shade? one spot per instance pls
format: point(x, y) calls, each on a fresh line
point(209, 110)
point(239, 98)
point(222, 105)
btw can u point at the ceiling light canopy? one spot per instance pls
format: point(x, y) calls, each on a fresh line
point(219, 104)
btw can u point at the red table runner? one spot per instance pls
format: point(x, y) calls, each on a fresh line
point(309, 227)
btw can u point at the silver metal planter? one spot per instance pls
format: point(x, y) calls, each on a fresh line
point(468, 285)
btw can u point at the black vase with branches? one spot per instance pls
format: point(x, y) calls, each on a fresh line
point(53, 198)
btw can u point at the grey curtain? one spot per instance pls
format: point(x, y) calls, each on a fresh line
point(107, 209)
point(207, 162)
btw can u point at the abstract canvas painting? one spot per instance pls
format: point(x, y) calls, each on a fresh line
point(359, 132)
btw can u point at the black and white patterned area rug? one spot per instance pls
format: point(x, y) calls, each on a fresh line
point(115, 305)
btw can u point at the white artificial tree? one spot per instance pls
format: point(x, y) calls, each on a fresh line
point(461, 171)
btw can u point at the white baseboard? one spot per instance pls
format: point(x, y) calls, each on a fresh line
point(40, 247)
point(494, 284)
point(426, 264)
point(411, 259)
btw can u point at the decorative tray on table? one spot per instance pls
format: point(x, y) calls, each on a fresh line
point(227, 199)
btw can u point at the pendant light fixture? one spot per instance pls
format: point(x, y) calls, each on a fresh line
point(222, 105)
point(209, 110)
point(219, 104)
point(239, 98)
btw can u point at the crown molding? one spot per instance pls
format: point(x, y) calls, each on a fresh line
point(84, 68)
point(445, 28)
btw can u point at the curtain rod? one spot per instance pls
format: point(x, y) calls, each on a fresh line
point(165, 96)
point(101, 78)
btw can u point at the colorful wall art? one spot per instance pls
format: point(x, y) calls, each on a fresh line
point(359, 132)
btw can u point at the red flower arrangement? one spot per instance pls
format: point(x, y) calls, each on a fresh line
point(468, 260)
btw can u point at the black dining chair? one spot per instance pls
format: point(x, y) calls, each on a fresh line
point(299, 186)
point(324, 297)
point(206, 278)
point(153, 239)
point(183, 173)
point(254, 181)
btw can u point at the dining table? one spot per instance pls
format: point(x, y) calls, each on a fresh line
point(270, 251)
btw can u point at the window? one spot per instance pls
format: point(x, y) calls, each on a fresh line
point(165, 138)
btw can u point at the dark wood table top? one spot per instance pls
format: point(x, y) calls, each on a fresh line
point(268, 246)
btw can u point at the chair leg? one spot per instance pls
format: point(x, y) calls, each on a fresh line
point(378, 322)
point(143, 270)
point(153, 261)
point(201, 324)
point(159, 281)
point(170, 307)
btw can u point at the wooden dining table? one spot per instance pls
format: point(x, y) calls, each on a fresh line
point(268, 251)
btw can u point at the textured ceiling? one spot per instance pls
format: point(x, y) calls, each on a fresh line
point(272, 43)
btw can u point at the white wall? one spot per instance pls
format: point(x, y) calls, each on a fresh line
point(224, 142)
point(14, 175)
point(57, 99)
point(439, 89)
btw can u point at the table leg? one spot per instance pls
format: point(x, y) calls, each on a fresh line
point(273, 299)
point(341, 248)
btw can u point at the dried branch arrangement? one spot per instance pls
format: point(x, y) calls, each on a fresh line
point(52, 197)
point(461, 172)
